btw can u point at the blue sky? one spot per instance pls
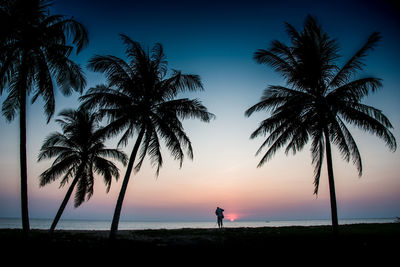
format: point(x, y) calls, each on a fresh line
point(216, 40)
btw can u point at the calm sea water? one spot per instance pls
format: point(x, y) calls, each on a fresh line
point(135, 225)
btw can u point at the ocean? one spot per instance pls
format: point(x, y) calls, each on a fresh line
point(142, 225)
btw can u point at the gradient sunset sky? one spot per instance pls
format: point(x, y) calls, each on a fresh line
point(216, 40)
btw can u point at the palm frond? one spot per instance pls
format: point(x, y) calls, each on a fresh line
point(134, 50)
point(55, 138)
point(278, 120)
point(45, 87)
point(55, 151)
point(67, 165)
point(355, 63)
point(148, 135)
point(69, 174)
point(104, 97)
point(283, 51)
point(11, 105)
point(123, 141)
point(279, 64)
point(339, 139)
point(82, 186)
point(317, 152)
point(152, 147)
point(114, 154)
point(294, 35)
point(277, 139)
point(159, 59)
point(70, 76)
point(179, 82)
point(355, 90)
point(275, 96)
point(167, 131)
point(370, 111)
point(185, 142)
point(77, 32)
point(186, 109)
point(7, 68)
point(300, 137)
point(361, 117)
point(117, 71)
point(107, 169)
point(352, 145)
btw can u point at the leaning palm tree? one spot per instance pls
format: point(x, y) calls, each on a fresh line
point(34, 53)
point(140, 100)
point(318, 100)
point(79, 153)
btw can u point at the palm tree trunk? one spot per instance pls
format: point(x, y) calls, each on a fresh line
point(63, 205)
point(118, 207)
point(23, 164)
point(335, 224)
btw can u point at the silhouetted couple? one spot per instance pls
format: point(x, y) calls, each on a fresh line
point(220, 216)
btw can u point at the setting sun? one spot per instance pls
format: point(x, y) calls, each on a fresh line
point(232, 217)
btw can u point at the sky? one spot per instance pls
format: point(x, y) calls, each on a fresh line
point(216, 40)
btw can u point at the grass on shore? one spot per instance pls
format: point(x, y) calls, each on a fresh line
point(357, 240)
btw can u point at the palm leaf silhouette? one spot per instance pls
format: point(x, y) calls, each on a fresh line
point(318, 102)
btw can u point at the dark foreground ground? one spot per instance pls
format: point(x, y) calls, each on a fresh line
point(359, 243)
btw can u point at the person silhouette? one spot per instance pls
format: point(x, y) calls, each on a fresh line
point(220, 216)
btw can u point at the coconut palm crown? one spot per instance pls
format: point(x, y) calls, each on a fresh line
point(79, 153)
point(319, 101)
point(140, 99)
point(34, 58)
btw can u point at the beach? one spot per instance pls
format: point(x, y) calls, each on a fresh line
point(356, 242)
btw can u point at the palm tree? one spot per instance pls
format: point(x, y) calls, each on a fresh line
point(139, 99)
point(33, 58)
point(318, 101)
point(80, 152)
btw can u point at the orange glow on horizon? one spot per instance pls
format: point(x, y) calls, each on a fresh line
point(232, 217)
